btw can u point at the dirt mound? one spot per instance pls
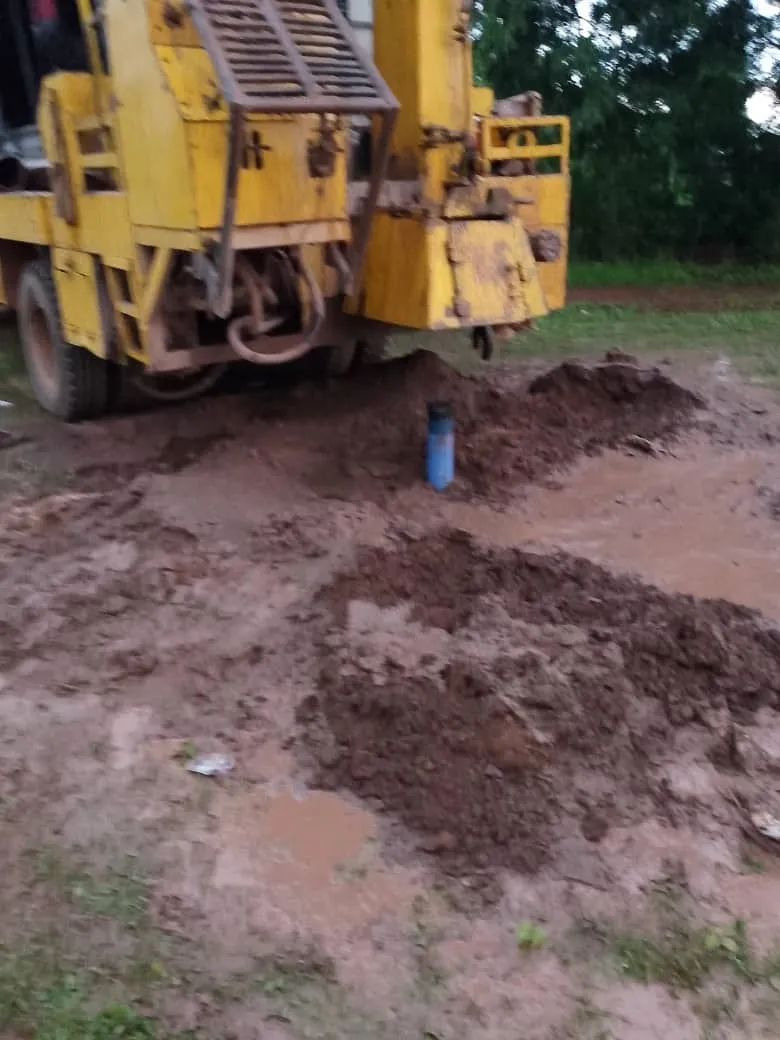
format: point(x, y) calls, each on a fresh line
point(498, 701)
point(506, 436)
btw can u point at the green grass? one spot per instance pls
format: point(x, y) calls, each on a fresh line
point(13, 381)
point(87, 960)
point(750, 337)
point(683, 957)
point(40, 1001)
point(658, 273)
point(121, 894)
point(592, 328)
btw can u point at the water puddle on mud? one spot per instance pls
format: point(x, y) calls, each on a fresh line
point(693, 524)
point(311, 858)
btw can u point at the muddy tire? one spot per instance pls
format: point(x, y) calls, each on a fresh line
point(67, 381)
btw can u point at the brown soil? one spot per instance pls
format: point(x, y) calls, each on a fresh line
point(506, 435)
point(538, 695)
point(161, 584)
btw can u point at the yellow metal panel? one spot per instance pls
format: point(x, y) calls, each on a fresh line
point(494, 272)
point(548, 210)
point(25, 217)
point(128, 340)
point(551, 195)
point(554, 276)
point(482, 100)
point(421, 276)
point(101, 220)
point(105, 224)
point(312, 233)
point(554, 283)
point(152, 142)
point(156, 275)
point(77, 291)
point(175, 238)
point(281, 192)
point(170, 23)
point(194, 83)
point(396, 273)
point(427, 65)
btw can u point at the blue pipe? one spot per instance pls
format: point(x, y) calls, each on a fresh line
point(440, 465)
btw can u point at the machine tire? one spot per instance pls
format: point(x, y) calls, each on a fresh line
point(67, 381)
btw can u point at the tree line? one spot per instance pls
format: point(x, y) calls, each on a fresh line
point(666, 161)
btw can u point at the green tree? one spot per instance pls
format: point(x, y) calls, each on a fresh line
point(665, 158)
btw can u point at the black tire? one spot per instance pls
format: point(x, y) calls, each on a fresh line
point(67, 381)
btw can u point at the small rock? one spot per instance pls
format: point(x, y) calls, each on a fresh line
point(363, 766)
point(330, 755)
point(593, 826)
point(493, 772)
point(115, 605)
point(571, 637)
point(620, 357)
point(444, 841)
point(308, 709)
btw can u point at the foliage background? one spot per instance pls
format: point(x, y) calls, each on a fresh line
point(666, 161)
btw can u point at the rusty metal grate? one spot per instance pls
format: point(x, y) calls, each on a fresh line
point(289, 55)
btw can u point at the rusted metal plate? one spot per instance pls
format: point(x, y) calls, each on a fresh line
point(495, 279)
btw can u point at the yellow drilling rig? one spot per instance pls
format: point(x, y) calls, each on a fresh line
point(187, 183)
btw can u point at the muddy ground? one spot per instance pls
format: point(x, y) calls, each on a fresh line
point(495, 752)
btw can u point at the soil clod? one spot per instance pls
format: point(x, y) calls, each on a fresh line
point(508, 435)
point(513, 687)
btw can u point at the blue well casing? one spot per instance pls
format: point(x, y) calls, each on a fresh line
point(440, 465)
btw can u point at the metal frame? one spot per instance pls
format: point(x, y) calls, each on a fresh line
point(311, 100)
point(508, 129)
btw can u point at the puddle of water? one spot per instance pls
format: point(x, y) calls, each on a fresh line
point(691, 524)
point(311, 860)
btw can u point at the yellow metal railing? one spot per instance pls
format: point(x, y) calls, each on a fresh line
point(501, 140)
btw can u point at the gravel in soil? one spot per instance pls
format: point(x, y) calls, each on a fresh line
point(507, 434)
point(498, 701)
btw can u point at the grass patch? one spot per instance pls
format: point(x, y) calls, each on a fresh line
point(13, 378)
point(660, 273)
point(593, 329)
point(41, 1002)
point(121, 894)
point(670, 946)
point(86, 960)
point(684, 957)
point(749, 337)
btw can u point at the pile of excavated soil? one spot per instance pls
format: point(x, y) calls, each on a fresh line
point(497, 701)
point(506, 436)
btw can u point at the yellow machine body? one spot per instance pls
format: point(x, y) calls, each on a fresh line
point(139, 209)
